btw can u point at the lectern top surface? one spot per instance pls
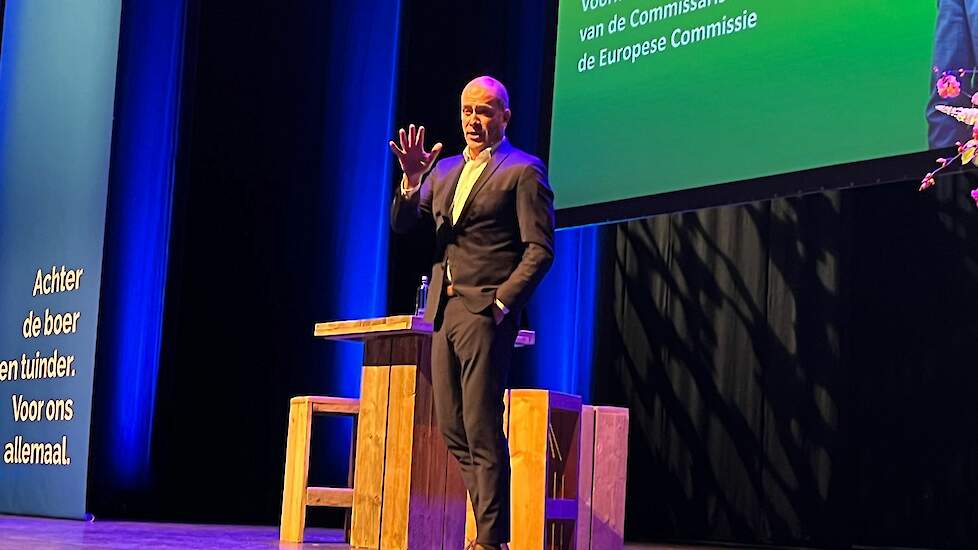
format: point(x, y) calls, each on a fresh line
point(364, 329)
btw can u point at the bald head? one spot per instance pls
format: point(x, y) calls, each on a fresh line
point(490, 85)
point(485, 113)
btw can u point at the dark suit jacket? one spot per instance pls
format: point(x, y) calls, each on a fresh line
point(955, 47)
point(503, 242)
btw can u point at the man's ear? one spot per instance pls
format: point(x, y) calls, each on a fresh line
point(506, 115)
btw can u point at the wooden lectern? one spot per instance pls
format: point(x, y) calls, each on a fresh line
point(407, 489)
point(568, 461)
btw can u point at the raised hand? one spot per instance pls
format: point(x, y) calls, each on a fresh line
point(415, 162)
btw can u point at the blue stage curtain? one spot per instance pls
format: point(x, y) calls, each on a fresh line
point(142, 172)
point(359, 110)
point(562, 313)
point(357, 173)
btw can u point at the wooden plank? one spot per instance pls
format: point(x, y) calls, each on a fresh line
point(350, 478)
point(408, 349)
point(364, 329)
point(528, 437)
point(336, 497)
point(360, 329)
point(585, 485)
point(440, 500)
point(343, 406)
point(610, 472)
point(377, 351)
point(470, 527)
point(561, 509)
point(506, 398)
point(428, 467)
point(398, 465)
point(414, 486)
point(564, 401)
point(296, 473)
point(368, 483)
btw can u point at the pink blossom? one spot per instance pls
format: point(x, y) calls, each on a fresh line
point(974, 99)
point(927, 182)
point(948, 87)
point(974, 195)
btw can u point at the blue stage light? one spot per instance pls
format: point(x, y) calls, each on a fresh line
point(562, 312)
point(357, 181)
point(141, 180)
point(358, 173)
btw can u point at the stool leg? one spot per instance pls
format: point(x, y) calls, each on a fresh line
point(350, 477)
point(296, 472)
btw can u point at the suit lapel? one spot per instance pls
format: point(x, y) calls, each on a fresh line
point(494, 162)
point(452, 179)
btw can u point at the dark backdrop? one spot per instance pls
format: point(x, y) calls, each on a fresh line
point(799, 371)
point(241, 293)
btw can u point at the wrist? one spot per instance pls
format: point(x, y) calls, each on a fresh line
point(410, 181)
point(407, 189)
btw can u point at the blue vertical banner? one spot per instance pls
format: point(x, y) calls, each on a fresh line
point(57, 88)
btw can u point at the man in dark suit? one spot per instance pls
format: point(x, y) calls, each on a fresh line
point(494, 234)
point(955, 47)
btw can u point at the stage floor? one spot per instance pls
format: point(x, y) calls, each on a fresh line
point(21, 533)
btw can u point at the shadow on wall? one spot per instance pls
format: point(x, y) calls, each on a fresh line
point(729, 325)
point(798, 370)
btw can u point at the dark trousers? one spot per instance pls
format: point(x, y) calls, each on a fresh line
point(470, 358)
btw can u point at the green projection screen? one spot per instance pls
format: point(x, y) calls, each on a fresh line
point(652, 97)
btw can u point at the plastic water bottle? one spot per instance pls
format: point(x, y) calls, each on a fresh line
point(422, 297)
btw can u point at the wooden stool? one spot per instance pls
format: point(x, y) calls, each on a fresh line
point(297, 494)
point(544, 432)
